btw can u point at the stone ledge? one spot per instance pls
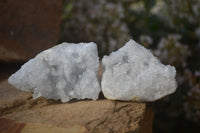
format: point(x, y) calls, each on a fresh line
point(88, 116)
point(20, 113)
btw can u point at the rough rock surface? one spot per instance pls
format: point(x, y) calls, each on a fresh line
point(28, 27)
point(133, 73)
point(13, 100)
point(83, 116)
point(65, 71)
point(18, 113)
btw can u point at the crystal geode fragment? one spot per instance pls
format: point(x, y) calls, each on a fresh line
point(133, 73)
point(65, 71)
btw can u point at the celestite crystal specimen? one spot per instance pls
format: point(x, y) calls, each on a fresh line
point(133, 73)
point(63, 72)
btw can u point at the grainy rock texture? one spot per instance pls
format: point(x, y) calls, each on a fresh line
point(20, 113)
point(83, 116)
point(13, 100)
point(28, 27)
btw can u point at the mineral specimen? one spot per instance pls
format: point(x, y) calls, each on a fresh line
point(133, 73)
point(63, 72)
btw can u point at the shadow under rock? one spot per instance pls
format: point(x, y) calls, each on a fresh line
point(6, 69)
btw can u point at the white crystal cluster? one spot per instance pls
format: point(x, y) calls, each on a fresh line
point(133, 73)
point(63, 72)
point(69, 71)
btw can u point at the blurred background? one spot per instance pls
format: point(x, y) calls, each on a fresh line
point(170, 28)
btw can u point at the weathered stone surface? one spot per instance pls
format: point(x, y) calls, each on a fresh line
point(84, 116)
point(9, 94)
point(20, 113)
point(133, 74)
point(28, 27)
point(13, 100)
point(20, 127)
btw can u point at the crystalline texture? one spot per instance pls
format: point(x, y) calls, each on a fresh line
point(63, 72)
point(133, 73)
